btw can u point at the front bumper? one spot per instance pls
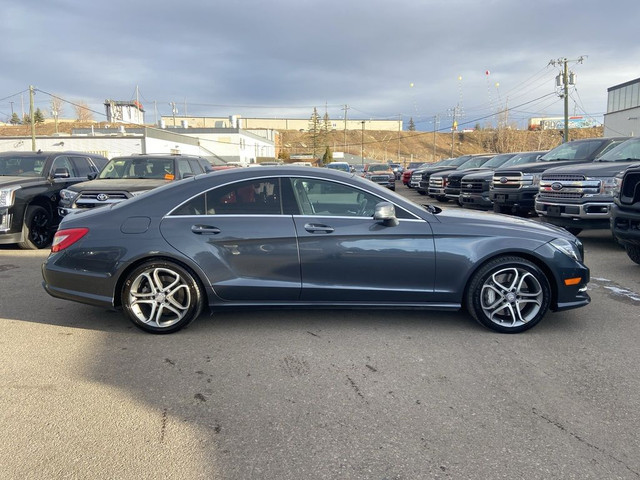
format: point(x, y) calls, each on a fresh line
point(522, 197)
point(475, 200)
point(586, 215)
point(625, 225)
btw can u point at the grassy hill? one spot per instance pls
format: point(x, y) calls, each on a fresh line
point(427, 147)
point(381, 145)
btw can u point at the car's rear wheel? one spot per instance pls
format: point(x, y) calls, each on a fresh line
point(508, 295)
point(37, 228)
point(161, 297)
point(633, 252)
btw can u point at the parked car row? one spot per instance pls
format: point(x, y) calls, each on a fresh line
point(578, 185)
point(37, 189)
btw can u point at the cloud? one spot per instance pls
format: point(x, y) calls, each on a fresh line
point(281, 58)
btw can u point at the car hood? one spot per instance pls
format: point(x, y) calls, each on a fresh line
point(595, 169)
point(13, 181)
point(482, 175)
point(536, 167)
point(464, 173)
point(128, 184)
point(502, 224)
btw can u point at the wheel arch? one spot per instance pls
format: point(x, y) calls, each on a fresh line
point(193, 270)
point(553, 284)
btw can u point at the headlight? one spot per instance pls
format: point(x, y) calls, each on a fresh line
point(68, 195)
point(607, 185)
point(618, 184)
point(7, 196)
point(570, 249)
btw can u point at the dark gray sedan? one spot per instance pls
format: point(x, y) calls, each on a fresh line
point(295, 236)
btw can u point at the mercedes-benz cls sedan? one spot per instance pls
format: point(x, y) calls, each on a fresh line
point(313, 238)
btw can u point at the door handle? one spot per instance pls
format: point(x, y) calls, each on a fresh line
point(204, 229)
point(317, 228)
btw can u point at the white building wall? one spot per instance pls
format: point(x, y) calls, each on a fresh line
point(625, 123)
point(108, 146)
point(160, 145)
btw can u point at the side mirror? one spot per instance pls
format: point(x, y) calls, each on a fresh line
point(92, 175)
point(61, 173)
point(385, 213)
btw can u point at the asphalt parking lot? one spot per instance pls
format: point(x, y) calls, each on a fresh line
point(320, 394)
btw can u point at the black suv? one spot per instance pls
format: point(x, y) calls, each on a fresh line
point(130, 176)
point(30, 184)
point(625, 213)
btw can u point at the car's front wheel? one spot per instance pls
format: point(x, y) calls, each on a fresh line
point(161, 297)
point(37, 228)
point(508, 295)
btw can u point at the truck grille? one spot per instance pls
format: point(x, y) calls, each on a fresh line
point(566, 186)
point(512, 180)
point(437, 182)
point(91, 200)
point(473, 186)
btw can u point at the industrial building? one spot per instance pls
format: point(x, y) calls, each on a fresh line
point(623, 110)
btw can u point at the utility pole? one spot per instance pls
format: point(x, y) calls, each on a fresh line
point(362, 144)
point(454, 126)
point(32, 119)
point(174, 110)
point(399, 128)
point(435, 128)
point(346, 107)
point(563, 80)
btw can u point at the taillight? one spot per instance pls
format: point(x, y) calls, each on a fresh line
point(65, 238)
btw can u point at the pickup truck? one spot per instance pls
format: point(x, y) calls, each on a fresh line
point(513, 190)
point(453, 181)
point(420, 178)
point(30, 185)
point(474, 187)
point(579, 197)
point(438, 181)
point(416, 175)
point(127, 177)
point(625, 213)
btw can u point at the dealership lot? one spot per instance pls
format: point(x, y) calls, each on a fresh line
point(320, 394)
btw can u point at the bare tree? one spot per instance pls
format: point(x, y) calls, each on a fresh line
point(57, 107)
point(83, 114)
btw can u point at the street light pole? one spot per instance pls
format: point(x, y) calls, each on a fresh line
point(362, 144)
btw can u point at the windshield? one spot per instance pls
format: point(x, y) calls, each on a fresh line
point(520, 158)
point(339, 166)
point(625, 151)
point(498, 160)
point(456, 162)
point(581, 150)
point(474, 162)
point(378, 167)
point(22, 166)
point(139, 168)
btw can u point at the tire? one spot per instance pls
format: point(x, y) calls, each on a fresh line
point(421, 192)
point(498, 208)
point(633, 252)
point(508, 295)
point(37, 228)
point(442, 199)
point(161, 297)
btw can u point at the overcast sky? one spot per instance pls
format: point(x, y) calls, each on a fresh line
point(384, 59)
